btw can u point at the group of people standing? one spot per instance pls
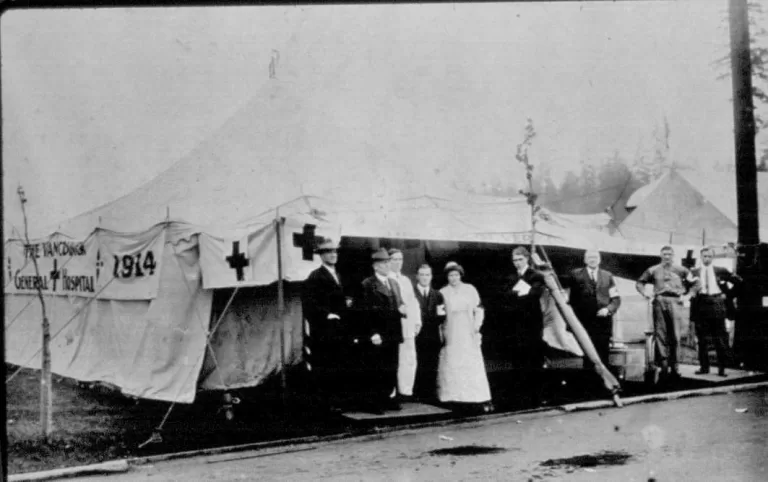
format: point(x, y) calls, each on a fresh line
point(405, 339)
point(395, 339)
point(709, 289)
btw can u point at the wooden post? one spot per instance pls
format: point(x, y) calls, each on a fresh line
point(610, 382)
point(46, 389)
point(281, 301)
point(749, 338)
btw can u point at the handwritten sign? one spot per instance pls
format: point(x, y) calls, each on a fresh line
point(107, 265)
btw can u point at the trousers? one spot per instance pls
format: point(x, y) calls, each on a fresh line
point(406, 367)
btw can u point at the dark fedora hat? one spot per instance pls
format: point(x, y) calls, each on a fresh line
point(326, 245)
point(380, 255)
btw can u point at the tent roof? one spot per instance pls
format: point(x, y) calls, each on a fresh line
point(720, 190)
point(690, 207)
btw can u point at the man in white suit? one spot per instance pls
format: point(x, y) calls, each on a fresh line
point(406, 366)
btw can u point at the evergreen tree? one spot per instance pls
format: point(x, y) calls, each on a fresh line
point(569, 195)
point(758, 49)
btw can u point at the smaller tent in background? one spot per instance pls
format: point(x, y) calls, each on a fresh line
point(686, 207)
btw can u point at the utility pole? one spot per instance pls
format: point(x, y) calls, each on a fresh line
point(749, 339)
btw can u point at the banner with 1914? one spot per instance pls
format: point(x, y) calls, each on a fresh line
point(107, 265)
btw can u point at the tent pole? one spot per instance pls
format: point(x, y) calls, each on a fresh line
point(280, 301)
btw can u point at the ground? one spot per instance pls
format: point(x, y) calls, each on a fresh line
point(719, 437)
point(93, 425)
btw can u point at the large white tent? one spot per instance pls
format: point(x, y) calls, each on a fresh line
point(130, 285)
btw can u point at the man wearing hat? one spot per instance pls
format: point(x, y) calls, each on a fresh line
point(382, 310)
point(324, 307)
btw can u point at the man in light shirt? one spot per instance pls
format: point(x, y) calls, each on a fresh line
point(671, 284)
point(708, 310)
point(406, 362)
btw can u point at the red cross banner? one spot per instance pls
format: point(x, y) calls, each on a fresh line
point(251, 258)
point(106, 265)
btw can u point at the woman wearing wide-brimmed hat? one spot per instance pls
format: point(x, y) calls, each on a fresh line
point(461, 376)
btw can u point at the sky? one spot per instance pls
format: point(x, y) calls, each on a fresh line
point(98, 102)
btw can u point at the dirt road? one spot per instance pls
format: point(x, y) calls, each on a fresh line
point(721, 437)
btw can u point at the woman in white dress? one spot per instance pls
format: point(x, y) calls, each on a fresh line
point(461, 376)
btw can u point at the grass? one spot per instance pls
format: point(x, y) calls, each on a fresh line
point(97, 425)
point(89, 426)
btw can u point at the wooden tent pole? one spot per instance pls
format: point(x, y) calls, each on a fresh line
point(281, 301)
point(581, 335)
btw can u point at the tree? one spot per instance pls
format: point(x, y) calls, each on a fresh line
point(650, 162)
point(570, 194)
point(545, 186)
point(758, 47)
point(522, 157)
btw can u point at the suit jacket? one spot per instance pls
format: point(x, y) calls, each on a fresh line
point(379, 310)
point(430, 320)
point(321, 296)
point(722, 277)
point(587, 297)
point(523, 309)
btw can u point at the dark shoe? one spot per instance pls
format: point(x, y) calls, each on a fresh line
point(373, 409)
point(722, 373)
point(393, 405)
point(702, 372)
point(675, 375)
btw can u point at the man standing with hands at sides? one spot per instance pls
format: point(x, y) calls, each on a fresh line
point(324, 307)
point(594, 299)
point(708, 310)
point(670, 285)
point(428, 341)
point(382, 309)
point(520, 305)
point(406, 365)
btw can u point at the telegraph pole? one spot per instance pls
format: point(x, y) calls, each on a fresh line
point(749, 340)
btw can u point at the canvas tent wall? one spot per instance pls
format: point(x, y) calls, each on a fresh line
point(134, 310)
point(145, 334)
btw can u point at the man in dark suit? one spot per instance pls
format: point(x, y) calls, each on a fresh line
point(523, 320)
point(708, 309)
point(325, 311)
point(428, 341)
point(382, 309)
point(594, 299)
